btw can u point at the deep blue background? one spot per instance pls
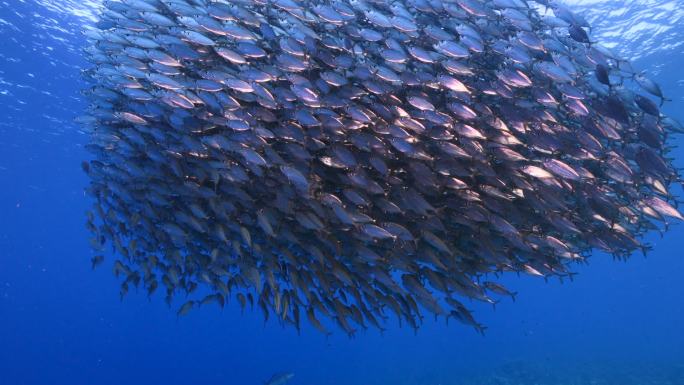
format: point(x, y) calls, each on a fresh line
point(61, 323)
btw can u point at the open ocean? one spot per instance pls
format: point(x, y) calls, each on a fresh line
point(61, 322)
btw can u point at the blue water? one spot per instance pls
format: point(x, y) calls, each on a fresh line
point(62, 323)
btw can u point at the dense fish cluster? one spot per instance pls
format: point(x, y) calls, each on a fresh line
point(360, 160)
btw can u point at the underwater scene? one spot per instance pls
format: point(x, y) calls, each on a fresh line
point(338, 192)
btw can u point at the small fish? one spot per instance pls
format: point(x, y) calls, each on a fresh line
point(650, 86)
point(96, 261)
point(279, 379)
point(186, 308)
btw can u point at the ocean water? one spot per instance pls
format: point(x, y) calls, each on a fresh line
point(617, 323)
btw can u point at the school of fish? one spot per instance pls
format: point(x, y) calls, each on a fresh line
point(349, 162)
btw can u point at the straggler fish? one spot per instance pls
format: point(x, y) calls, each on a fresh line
point(355, 162)
point(279, 379)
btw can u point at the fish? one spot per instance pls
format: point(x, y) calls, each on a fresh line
point(650, 86)
point(279, 379)
point(96, 261)
point(186, 307)
point(354, 160)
